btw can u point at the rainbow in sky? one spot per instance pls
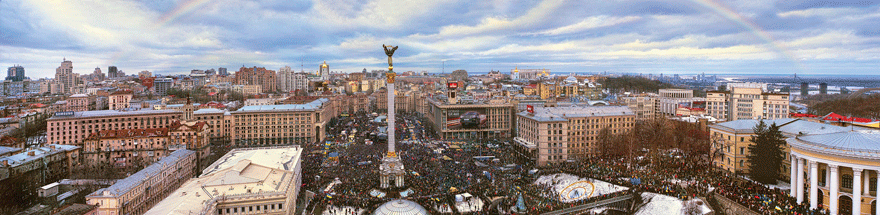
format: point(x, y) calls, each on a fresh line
point(756, 30)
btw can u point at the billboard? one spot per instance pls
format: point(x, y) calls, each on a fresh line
point(452, 85)
point(469, 118)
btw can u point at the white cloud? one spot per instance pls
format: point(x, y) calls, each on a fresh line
point(820, 12)
point(590, 23)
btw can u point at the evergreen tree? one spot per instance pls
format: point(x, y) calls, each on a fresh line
point(766, 154)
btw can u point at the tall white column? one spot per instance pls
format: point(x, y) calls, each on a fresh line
point(792, 175)
point(857, 192)
point(800, 180)
point(867, 187)
point(814, 184)
point(827, 175)
point(834, 186)
point(391, 139)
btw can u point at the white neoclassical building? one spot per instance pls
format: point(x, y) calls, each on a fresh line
point(839, 169)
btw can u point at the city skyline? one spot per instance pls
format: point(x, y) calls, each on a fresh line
point(715, 37)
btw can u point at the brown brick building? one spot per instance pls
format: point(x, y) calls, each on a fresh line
point(257, 76)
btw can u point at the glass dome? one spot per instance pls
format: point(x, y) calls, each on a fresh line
point(401, 207)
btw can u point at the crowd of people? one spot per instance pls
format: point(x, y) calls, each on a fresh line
point(437, 172)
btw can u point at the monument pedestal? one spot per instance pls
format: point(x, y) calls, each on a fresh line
point(391, 172)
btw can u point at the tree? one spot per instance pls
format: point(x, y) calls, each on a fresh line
point(766, 154)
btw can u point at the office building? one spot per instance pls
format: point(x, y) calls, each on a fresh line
point(281, 124)
point(71, 128)
point(482, 119)
point(263, 180)
point(645, 107)
point(15, 73)
point(746, 101)
point(162, 85)
point(556, 134)
point(672, 99)
point(222, 71)
point(65, 77)
point(139, 192)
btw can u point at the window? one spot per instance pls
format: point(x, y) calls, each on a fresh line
point(847, 181)
point(742, 163)
point(873, 185)
point(742, 150)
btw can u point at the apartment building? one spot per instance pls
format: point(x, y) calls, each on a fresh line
point(268, 181)
point(747, 101)
point(555, 134)
point(78, 102)
point(120, 100)
point(249, 89)
point(71, 128)
point(191, 135)
point(25, 171)
point(120, 148)
point(139, 192)
point(257, 76)
point(281, 124)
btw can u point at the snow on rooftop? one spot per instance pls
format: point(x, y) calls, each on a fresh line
point(208, 111)
point(38, 153)
point(317, 104)
point(663, 204)
point(860, 144)
point(562, 113)
point(749, 124)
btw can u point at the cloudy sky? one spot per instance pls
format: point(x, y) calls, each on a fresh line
point(680, 36)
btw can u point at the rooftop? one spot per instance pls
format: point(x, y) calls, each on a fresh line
point(241, 173)
point(864, 144)
point(122, 186)
point(563, 113)
point(208, 111)
point(314, 105)
point(39, 152)
point(746, 125)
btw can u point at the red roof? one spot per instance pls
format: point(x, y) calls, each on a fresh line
point(197, 126)
point(837, 117)
point(121, 92)
point(802, 115)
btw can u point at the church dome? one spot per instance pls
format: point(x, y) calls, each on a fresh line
point(401, 207)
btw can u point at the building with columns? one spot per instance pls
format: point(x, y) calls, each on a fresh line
point(838, 171)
